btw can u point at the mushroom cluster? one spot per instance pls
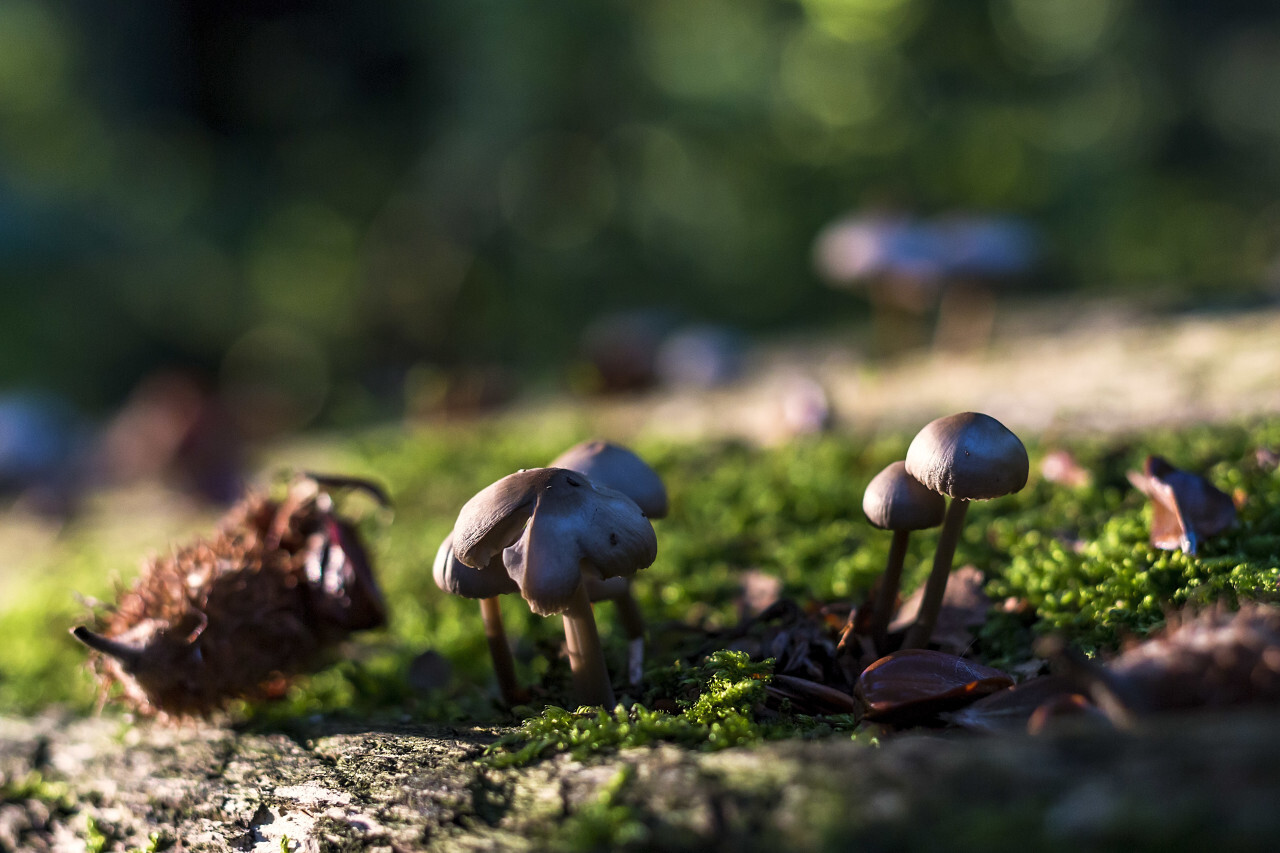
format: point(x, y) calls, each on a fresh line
point(966, 457)
point(563, 537)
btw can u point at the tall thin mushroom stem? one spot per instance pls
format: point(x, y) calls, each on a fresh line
point(504, 666)
point(586, 658)
point(936, 586)
point(888, 594)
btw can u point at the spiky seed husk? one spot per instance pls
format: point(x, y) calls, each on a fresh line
point(238, 615)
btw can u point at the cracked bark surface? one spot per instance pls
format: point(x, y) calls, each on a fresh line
point(1186, 783)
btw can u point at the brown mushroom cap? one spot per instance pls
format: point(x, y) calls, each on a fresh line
point(969, 456)
point(615, 467)
point(894, 500)
point(548, 524)
point(456, 577)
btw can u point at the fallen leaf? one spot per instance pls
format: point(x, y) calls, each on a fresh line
point(1185, 508)
point(915, 684)
point(1212, 659)
point(964, 607)
point(1060, 467)
point(1010, 710)
point(757, 592)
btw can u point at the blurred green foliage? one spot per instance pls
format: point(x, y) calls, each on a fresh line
point(354, 190)
point(1078, 557)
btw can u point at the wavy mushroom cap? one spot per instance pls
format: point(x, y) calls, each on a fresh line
point(894, 500)
point(456, 577)
point(549, 524)
point(615, 467)
point(969, 456)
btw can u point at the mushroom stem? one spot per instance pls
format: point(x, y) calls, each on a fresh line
point(128, 656)
point(586, 658)
point(888, 594)
point(504, 666)
point(936, 585)
point(633, 624)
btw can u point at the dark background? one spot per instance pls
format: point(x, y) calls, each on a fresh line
point(346, 198)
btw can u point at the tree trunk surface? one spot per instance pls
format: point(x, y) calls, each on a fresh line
point(1189, 783)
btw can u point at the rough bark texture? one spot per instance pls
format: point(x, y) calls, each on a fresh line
point(1190, 783)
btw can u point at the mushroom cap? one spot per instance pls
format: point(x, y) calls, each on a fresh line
point(551, 525)
point(894, 500)
point(456, 577)
point(969, 456)
point(615, 467)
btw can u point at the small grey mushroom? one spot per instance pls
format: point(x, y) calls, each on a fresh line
point(455, 577)
point(969, 456)
point(616, 467)
point(549, 525)
point(894, 500)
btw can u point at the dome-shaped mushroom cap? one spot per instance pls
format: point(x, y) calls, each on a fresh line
point(548, 524)
point(456, 577)
point(894, 500)
point(615, 467)
point(969, 456)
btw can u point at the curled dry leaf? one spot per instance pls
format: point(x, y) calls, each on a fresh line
point(1214, 659)
point(915, 684)
point(1011, 710)
point(810, 697)
point(757, 592)
point(238, 615)
point(1185, 508)
point(964, 607)
point(1060, 467)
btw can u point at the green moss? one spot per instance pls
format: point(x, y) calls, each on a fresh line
point(34, 786)
point(95, 840)
point(1078, 558)
point(717, 699)
point(607, 823)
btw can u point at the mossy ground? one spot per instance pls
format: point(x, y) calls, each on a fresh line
point(1078, 557)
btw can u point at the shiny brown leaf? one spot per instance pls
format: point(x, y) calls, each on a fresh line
point(917, 683)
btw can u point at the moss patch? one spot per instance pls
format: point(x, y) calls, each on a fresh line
point(1078, 558)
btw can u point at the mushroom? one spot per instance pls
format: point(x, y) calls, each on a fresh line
point(486, 584)
point(967, 456)
point(457, 578)
point(551, 528)
point(615, 467)
point(894, 500)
